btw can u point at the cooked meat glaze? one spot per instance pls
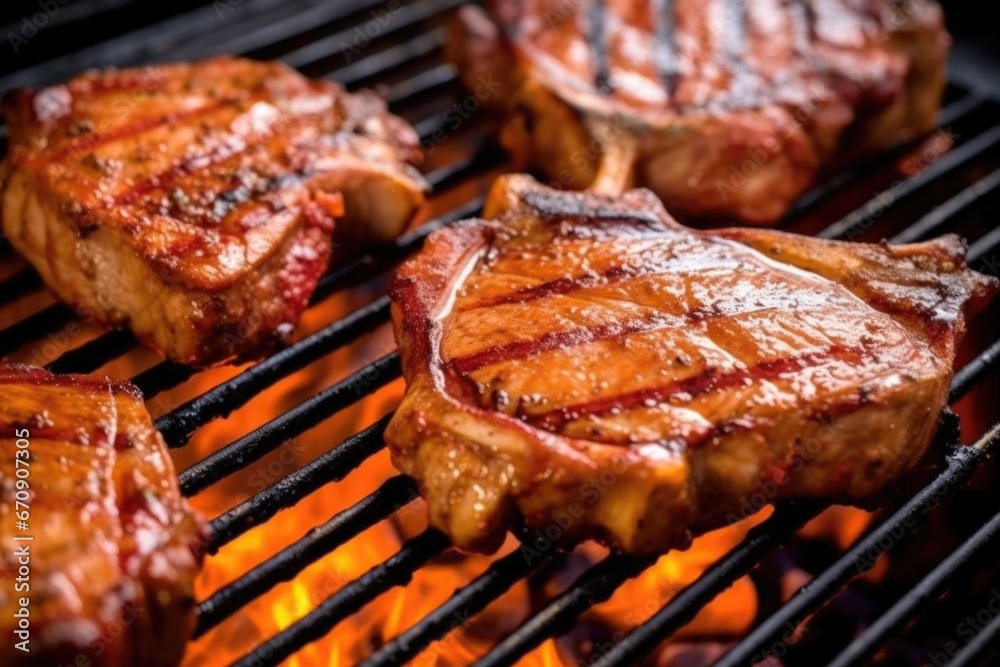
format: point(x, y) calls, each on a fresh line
point(586, 356)
point(115, 548)
point(194, 203)
point(724, 108)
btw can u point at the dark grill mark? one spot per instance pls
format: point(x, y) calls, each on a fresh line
point(615, 274)
point(577, 207)
point(735, 48)
point(522, 349)
point(667, 64)
point(178, 170)
point(803, 21)
point(700, 384)
point(81, 148)
point(597, 38)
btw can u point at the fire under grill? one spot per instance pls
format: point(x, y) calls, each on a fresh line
point(948, 183)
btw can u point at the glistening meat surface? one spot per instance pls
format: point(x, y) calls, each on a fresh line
point(195, 203)
point(114, 549)
point(726, 109)
point(574, 337)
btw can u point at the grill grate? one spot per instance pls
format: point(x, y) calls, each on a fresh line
point(310, 35)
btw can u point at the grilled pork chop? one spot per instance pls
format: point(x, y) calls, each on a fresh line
point(724, 108)
point(109, 567)
point(587, 364)
point(194, 203)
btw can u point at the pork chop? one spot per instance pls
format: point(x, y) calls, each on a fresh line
point(726, 109)
point(195, 203)
point(585, 363)
point(108, 551)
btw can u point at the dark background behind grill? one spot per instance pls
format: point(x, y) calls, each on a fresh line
point(123, 32)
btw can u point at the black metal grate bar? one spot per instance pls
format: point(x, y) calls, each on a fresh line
point(420, 84)
point(878, 633)
point(593, 586)
point(177, 426)
point(28, 329)
point(961, 108)
point(986, 639)
point(242, 452)
point(161, 377)
point(970, 374)
point(683, 607)
point(863, 554)
point(425, 44)
point(984, 245)
point(332, 466)
point(20, 284)
point(946, 212)
point(396, 571)
point(331, 45)
point(466, 602)
point(858, 221)
point(95, 353)
point(318, 542)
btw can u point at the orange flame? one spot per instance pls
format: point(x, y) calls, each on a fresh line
point(392, 613)
point(354, 639)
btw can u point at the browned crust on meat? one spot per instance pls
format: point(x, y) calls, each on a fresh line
point(734, 108)
point(484, 463)
point(116, 548)
point(187, 201)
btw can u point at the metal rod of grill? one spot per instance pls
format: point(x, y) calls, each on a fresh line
point(276, 21)
point(178, 425)
point(242, 452)
point(978, 646)
point(950, 209)
point(466, 602)
point(332, 466)
point(864, 647)
point(286, 564)
point(960, 465)
point(856, 222)
point(396, 571)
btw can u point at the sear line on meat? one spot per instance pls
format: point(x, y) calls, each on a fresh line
point(586, 356)
point(114, 549)
point(194, 203)
point(726, 109)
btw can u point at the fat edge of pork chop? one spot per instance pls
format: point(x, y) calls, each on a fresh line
point(194, 203)
point(736, 136)
point(116, 548)
point(482, 464)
